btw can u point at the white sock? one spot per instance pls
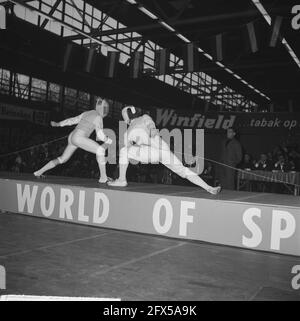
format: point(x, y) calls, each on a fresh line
point(46, 168)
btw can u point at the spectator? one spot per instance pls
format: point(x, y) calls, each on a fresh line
point(208, 173)
point(231, 156)
point(283, 164)
point(263, 164)
point(276, 152)
point(247, 163)
point(208, 169)
point(270, 157)
point(19, 164)
point(294, 156)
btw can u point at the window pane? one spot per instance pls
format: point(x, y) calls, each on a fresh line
point(38, 89)
point(53, 94)
point(4, 81)
point(70, 98)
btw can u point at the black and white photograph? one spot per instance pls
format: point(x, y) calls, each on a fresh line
point(149, 152)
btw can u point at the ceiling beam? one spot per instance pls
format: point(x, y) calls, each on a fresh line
point(53, 9)
point(227, 16)
point(62, 23)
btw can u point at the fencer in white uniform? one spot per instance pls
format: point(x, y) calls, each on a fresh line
point(86, 122)
point(143, 143)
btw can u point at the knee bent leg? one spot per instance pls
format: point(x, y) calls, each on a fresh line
point(100, 152)
point(59, 160)
point(100, 155)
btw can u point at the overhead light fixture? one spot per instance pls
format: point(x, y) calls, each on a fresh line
point(148, 13)
point(263, 11)
point(179, 35)
point(220, 64)
point(131, 1)
point(229, 70)
point(167, 26)
point(208, 56)
point(291, 51)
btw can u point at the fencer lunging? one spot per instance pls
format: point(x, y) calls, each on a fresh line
point(143, 143)
point(86, 122)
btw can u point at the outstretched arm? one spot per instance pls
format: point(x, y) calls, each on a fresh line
point(67, 122)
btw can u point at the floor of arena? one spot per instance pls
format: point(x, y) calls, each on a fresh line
point(46, 257)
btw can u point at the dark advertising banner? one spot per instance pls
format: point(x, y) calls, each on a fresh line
point(222, 120)
point(13, 112)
